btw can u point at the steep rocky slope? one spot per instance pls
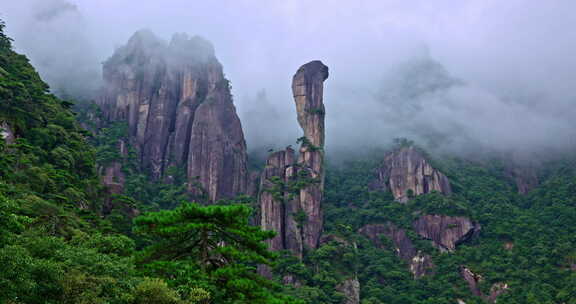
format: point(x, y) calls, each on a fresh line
point(179, 111)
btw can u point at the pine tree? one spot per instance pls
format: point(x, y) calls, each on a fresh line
point(213, 247)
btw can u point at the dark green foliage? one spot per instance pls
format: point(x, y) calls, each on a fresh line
point(317, 111)
point(50, 197)
point(539, 227)
point(209, 246)
point(282, 190)
point(308, 144)
point(50, 159)
point(196, 231)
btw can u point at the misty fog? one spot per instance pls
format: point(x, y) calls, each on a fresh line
point(456, 76)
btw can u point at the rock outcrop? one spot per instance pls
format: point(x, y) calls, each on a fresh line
point(524, 177)
point(420, 264)
point(291, 190)
point(406, 173)
point(474, 280)
point(179, 111)
point(351, 290)
point(113, 178)
point(521, 169)
point(445, 231)
point(7, 133)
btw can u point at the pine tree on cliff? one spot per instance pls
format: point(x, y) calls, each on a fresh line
point(214, 246)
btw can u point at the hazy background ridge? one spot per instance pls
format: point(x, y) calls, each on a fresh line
point(457, 75)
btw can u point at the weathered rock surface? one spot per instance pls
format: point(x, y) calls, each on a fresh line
point(308, 90)
point(407, 170)
point(291, 190)
point(7, 133)
point(217, 154)
point(179, 111)
point(445, 231)
point(474, 280)
point(351, 290)
point(274, 199)
point(253, 183)
point(113, 178)
point(278, 205)
point(420, 264)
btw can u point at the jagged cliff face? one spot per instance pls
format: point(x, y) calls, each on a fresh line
point(445, 231)
point(179, 111)
point(406, 172)
point(291, 190)
point(420, 264)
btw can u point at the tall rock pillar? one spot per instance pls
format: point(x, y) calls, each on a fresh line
point(291, 190)
point(308, 89)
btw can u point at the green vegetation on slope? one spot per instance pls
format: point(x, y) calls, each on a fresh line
point(527, 242)
point(56, 244)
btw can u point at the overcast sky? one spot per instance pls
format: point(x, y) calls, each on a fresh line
point(516, 59)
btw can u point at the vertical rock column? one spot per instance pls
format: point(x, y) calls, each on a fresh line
point(307, 88)
point(291, 191)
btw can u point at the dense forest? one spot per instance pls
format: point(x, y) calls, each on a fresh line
point(67, 238)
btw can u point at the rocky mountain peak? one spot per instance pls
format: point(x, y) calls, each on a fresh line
point(179, 111)
point(191, 49)
point(406, 172)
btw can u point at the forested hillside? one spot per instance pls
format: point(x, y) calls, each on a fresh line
point(526, 242)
